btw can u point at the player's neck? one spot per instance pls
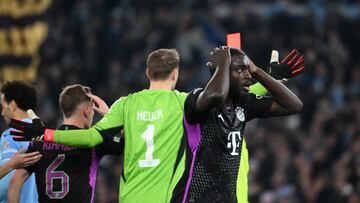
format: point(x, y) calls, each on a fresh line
point(19, 115)
point(161, 85)
point(228, 104)
point(74, 121)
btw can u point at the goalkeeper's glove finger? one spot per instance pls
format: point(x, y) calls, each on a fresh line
point(297, 60)
point(27, 131)
point(274, 57)
point(18, 135)
point(293, 64)
point(32, 114)
point(290, 57)
point(298, 71)
point(298, 67)
point(18, 124)
point(274, 69)
point(300, 62)
point(20, 138)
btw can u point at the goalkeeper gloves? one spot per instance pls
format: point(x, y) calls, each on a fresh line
point(292, 65)
point(29, 131)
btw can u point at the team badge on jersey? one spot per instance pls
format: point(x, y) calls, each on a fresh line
point(240, 114)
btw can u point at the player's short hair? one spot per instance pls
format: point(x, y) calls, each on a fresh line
point(161, 62)
point(24, 94)
point(233, 52)
point(72, 96)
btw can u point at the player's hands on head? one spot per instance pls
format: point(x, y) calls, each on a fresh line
point(99, 105)
point(22, 159)
point(28, 131)
point(253, 67)
point(292, 65)
point(220, 56)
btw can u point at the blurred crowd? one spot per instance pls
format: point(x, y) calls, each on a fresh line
point(310, 157)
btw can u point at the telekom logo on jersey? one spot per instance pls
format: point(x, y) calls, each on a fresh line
point(234, 139)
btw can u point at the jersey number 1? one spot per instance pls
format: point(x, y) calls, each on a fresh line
point(51, 175)
point(148, 136)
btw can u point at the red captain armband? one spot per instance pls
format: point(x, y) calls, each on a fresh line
point(49, 135)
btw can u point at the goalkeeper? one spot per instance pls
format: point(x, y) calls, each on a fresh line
point(156, 114)
point(292, 65)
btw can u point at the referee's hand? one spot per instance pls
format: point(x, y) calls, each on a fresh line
point(27, 131)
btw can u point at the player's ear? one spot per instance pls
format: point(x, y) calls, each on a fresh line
point(87, 110)
point(175, 74)
point(147, 73)
point(12, 105)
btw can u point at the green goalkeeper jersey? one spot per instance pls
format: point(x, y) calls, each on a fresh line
point(153, 133)
point(242, 181)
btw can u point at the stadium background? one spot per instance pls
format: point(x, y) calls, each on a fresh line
point(310, 157)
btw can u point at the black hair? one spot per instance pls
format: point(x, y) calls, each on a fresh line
point(24, 94)
point(233, 52)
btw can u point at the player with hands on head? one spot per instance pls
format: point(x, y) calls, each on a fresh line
point(279, 71)
point(215, 119)
point(220, 60)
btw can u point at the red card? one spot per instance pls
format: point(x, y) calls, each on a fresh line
point(234, 40)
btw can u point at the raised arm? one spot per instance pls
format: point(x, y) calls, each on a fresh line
point(285, 102)
point(106, 128)
point(99, 105)
point(217, 88)
point(36, 131)
point(15, 185)
point(281, 71)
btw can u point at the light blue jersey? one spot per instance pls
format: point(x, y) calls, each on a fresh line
point(8, 147)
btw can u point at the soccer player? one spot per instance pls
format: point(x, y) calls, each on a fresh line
point(217, 114)
point(19, 160)
point(67, 174)
point(152, 124)
point(16, 98)
point(280, 71)
point(153, 132)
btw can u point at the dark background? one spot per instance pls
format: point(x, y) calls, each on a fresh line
point(310, 157)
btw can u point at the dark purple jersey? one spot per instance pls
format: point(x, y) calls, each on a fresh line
point(68, 174)
point(214, 148)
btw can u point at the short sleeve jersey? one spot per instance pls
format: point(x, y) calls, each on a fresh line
point(8, 147)
point(68, 174)
point(214, 148)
